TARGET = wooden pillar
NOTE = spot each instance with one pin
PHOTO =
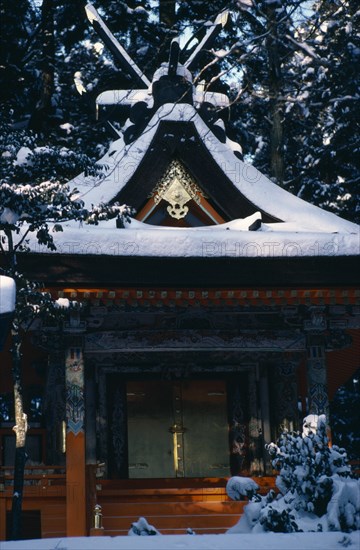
(54, 402)
(256, 440)
(238, 437)
(284, 397)
(318, 400)
(90, 430)
(264, 399)
(2, 517)
(75, 439)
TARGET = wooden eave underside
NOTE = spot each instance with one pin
(181, 140)
(219, 272)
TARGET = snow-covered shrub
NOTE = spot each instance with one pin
(279, 521)
(317, 491)
(142, 528)
(239, 487)
(306, 464)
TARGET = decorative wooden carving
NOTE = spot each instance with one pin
(75, 401)
(284, 396)
(193, 339)
(118, 432)
(238, 424)
(177, 188)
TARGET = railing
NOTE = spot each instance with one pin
(44, 492)
(39, 475)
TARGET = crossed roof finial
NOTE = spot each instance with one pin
(129, 65)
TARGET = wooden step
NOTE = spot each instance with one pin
(170, 508)
(172, 517)
(172, 505)
(172, 521)
(200, 531)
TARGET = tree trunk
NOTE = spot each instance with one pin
(276, 104)
(167, 12)
(39, 121)
(20, 430)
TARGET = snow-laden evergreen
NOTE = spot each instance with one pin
(316, 489)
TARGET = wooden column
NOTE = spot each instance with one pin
(54, 403)
(264, 398)
(2, 517)
(284, 392)
(75, 439)
(90, 444)
(238, 423)
(316, 375)
(256, 440)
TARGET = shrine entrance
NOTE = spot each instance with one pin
(174, 429)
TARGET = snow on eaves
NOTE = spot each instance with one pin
(227, 240)
(125, 97)
(7, 294)
(121, 162)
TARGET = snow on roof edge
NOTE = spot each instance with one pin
(7, 294)
(230, 240)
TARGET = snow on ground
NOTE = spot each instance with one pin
(7, 294)
(265, 541)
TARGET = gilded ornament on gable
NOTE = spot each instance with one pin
(177, 188)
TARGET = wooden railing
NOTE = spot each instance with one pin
(34, 475)
(44, 492)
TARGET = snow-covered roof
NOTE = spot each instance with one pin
(122, 160)
(285, 225)
(231, 239)
(7, 294)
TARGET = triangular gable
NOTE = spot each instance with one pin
(177, 201)
(181, 140)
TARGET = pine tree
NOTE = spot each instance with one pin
(19, 26)
(325, 107)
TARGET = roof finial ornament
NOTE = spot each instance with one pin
(123, 58)
(208, 39)
(174, 57)
(172, 82)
